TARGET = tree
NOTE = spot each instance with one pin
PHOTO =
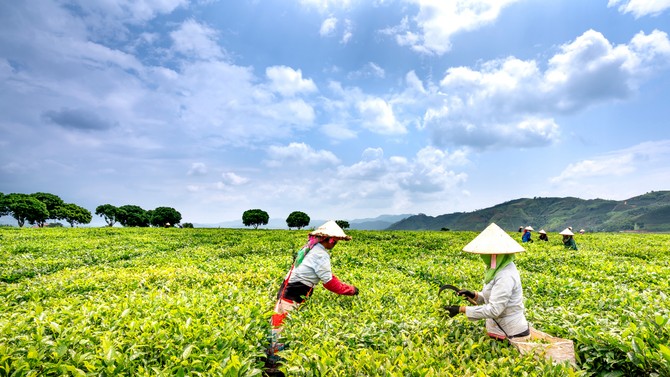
(74, 214)
(3, 205)
(132, 215)
(108, 212)
(297, 219)
(24, 208)
(342, 224)
(164, 215)
(255, 217)
(53, 202)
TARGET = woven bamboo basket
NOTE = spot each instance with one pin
(542, 344)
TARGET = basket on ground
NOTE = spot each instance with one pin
(554, 348)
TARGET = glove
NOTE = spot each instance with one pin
(453, 310)
(355, 291)
(466, 293)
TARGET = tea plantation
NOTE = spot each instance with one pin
(197, 302)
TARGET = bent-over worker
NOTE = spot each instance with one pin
(311, 266)
(568, 239)
(501, 300)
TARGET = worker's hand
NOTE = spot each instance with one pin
(453, 310)
(355, 291)
(466, 293)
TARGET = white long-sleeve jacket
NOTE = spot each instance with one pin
(502, 300)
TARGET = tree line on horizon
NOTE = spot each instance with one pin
(37, 208)
(296, 219)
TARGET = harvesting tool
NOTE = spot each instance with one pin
(456, 290)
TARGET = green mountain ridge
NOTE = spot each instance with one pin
(649, 212)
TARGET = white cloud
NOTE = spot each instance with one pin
(348, 32)
(328, 26)
(326, 5)
(510, 102)
(197, 168)
(646, 156)
(299, 154)
(640, 8)
(232, 179)
(338, 131)
(131, 10)
(377, 116)
(438, 21)
(369, 70)
(288, 81)
(196, 40)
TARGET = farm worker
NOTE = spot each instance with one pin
(501, 300)
(526, 234)
(543, 235)
(311, 265)
(568, 239)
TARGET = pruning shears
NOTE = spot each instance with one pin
(456, 290)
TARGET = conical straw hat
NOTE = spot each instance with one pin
(493, 240)
(330, 229)
(566, 232)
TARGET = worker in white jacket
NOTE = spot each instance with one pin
(501, 300)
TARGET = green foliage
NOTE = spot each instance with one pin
(187, 225)
(74, 214)
(255, 218)
(165, 215)
(342, 224)
(297, 219)
(152, 301)
(53, 203)
(108, 212)
(24, 208)
(132, 215)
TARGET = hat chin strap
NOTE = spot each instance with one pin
(493, 261)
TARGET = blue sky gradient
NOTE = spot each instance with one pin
(342, 109)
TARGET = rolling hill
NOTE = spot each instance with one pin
(648, 212)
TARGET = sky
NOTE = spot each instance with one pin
(342, 109)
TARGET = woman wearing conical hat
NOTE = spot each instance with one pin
(543, 235)
(568, 239)
(500, 302)
(311, 266)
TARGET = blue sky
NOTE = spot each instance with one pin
(342, 109)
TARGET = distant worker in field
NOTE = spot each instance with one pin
(311, 266)
(543, 235)
(501, 300)
(568, 239)
(526, 234)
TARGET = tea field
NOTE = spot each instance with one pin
(197, 302)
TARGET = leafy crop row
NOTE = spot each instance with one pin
(147, 302)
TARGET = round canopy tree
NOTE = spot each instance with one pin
(74, 214)
(24, 208)
(132, 215)
(297, 219)
(108, 212)
(162, 216)
(53, 203)
(255, 218)
(344, 224)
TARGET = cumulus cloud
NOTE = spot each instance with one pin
(288, 81)
(514, 103)
(377, 116)
(196, 40)
(326, 5)
(438, 21)
(640, 8)
(299, 154)
(130, 10)
(348, 32)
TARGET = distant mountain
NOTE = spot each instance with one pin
(648, 212)
(377, 223)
